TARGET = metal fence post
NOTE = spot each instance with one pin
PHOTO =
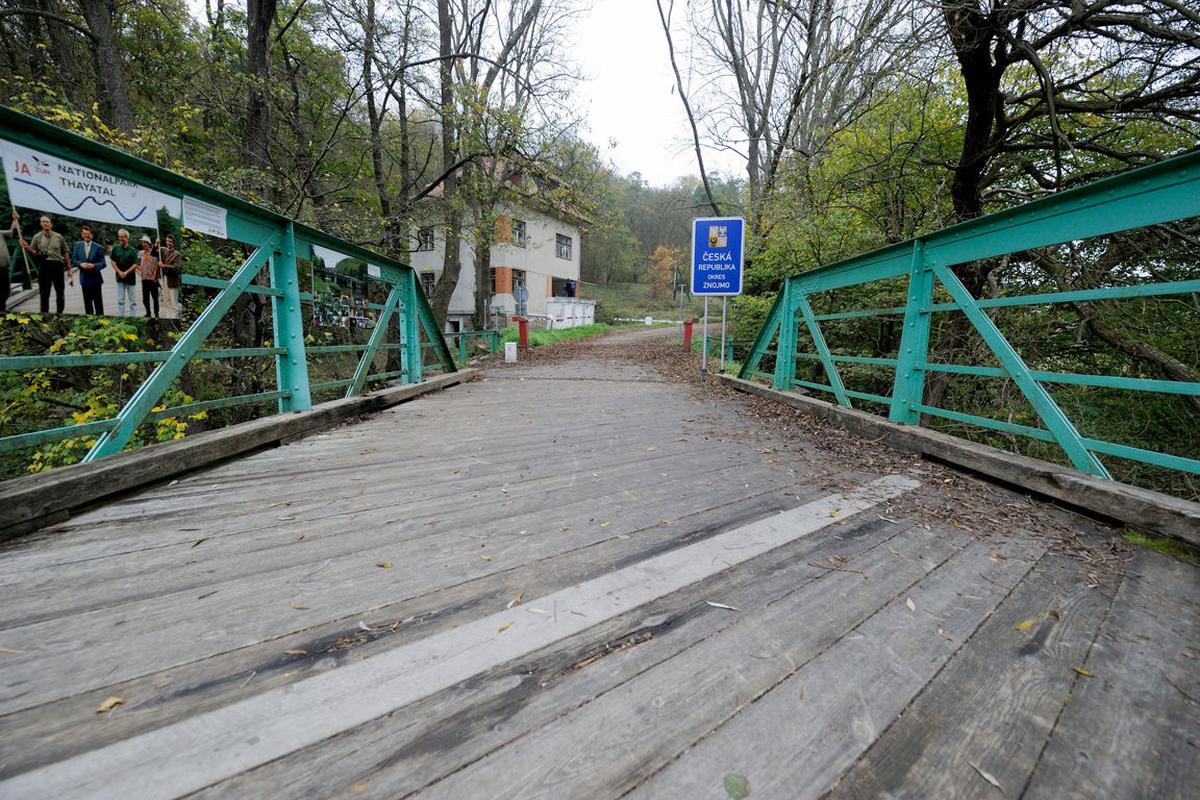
(908, 387)
(411, 336)
(785, 353)
(291, 368)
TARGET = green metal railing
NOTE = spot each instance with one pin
(1161, 193)
(490, 337)
(278, 242)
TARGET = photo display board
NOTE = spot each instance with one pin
(77, 240)
(340, 290)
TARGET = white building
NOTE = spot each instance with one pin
(534, 251)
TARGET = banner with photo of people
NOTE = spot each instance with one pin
(76, 240)
(340, 290)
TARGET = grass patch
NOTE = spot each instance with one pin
(1162, 544)
(539, 337)
(636, 300)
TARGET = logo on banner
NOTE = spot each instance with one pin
(47, 183)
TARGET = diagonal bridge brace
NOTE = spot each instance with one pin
(1060, 427)
(377, 335)
(831, 370)
(149, 393)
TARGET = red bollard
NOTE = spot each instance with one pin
(522, 332)
(687, 334)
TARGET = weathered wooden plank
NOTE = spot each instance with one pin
(796, 740)
(100, 646)
(380, 520)
(400, 754)
(611, 745)
(27, 503)
(213, 746)
(1132, 726)
(56, 730)
(994, 705)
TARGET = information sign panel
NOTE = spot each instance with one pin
(718, 252)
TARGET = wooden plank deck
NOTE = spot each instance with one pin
(580, 579)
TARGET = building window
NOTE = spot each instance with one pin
(424, 239)
(518, 232)
(562, 246)
(492, 280)
(428, 279)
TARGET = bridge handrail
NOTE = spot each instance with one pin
(1163, 192)
(278, 242)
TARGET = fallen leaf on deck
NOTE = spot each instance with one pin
(298, 607)
(667, 521)
(301, 536)
(651, 449)
(249, 678)
(537, 611)
(1082, 672)
(11, 651)
(1024, 626)
(110, 704)
(189, 529)
(563, 530)
(384, 564)
(603, 524)
(368, 450)
(911, 605)
(515, 601)
(364, 626)
(207, 594)
(485, 558)
(736, 786)
(722, 605)
(505, 627)
(198, 542)
(172, 483)
(987, 776)
(296, 652)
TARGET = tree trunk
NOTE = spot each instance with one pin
(451, 264)
(116, 108)
(257, 136)
(375, 121)
(63, 53)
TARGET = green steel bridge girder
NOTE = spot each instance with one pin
(278, 242)
(1157, 194)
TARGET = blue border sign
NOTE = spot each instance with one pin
(718, 252)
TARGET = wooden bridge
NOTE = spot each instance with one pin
(583, 578)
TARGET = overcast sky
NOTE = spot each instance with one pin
(621, 48)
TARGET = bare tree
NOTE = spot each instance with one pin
(779, 77)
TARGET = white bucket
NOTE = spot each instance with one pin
(510, 352)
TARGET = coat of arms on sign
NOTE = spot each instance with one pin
(718, 236)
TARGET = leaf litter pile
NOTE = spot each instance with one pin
(825, 457)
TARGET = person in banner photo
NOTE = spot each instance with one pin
(13, 232)
(88, 257)
(169, 260)
(148, 269)
(125, 263)
(49, 251)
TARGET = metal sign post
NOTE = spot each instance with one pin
(721, 368)
(704, 337)
(718, 255)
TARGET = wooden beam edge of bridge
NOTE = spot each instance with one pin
(35, 501)
(1146, 509)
